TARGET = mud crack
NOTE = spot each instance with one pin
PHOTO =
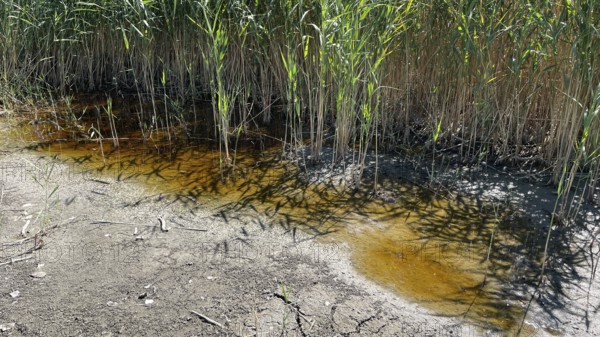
(299, 314)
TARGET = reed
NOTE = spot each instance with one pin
(290, 60)
(509, 81)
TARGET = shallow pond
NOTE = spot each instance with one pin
(454, 256)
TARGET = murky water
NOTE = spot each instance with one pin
(451, 255)
(437, 254)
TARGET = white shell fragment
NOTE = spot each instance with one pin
(38, 274)
(7, 326)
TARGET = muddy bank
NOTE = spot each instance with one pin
(241, 266)
(524, 201)
(248, 274)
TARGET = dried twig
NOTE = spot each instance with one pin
(163, 225)
(16, 243)
(103, 222)
(207, 319)
(16, 260)
(191, 229)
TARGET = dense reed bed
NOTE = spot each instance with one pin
(500, 81)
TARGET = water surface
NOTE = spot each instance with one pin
(454, 256)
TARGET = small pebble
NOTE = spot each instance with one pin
(7, 326)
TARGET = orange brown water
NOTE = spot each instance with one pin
(447, 255)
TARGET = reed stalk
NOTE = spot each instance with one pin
(510, 81)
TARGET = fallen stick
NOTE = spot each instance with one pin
(39, 243)
(16, 243)
(103, 222)
(162, 225)
(16, 260)
(208, 320)
(29, 238)
(191, 229)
